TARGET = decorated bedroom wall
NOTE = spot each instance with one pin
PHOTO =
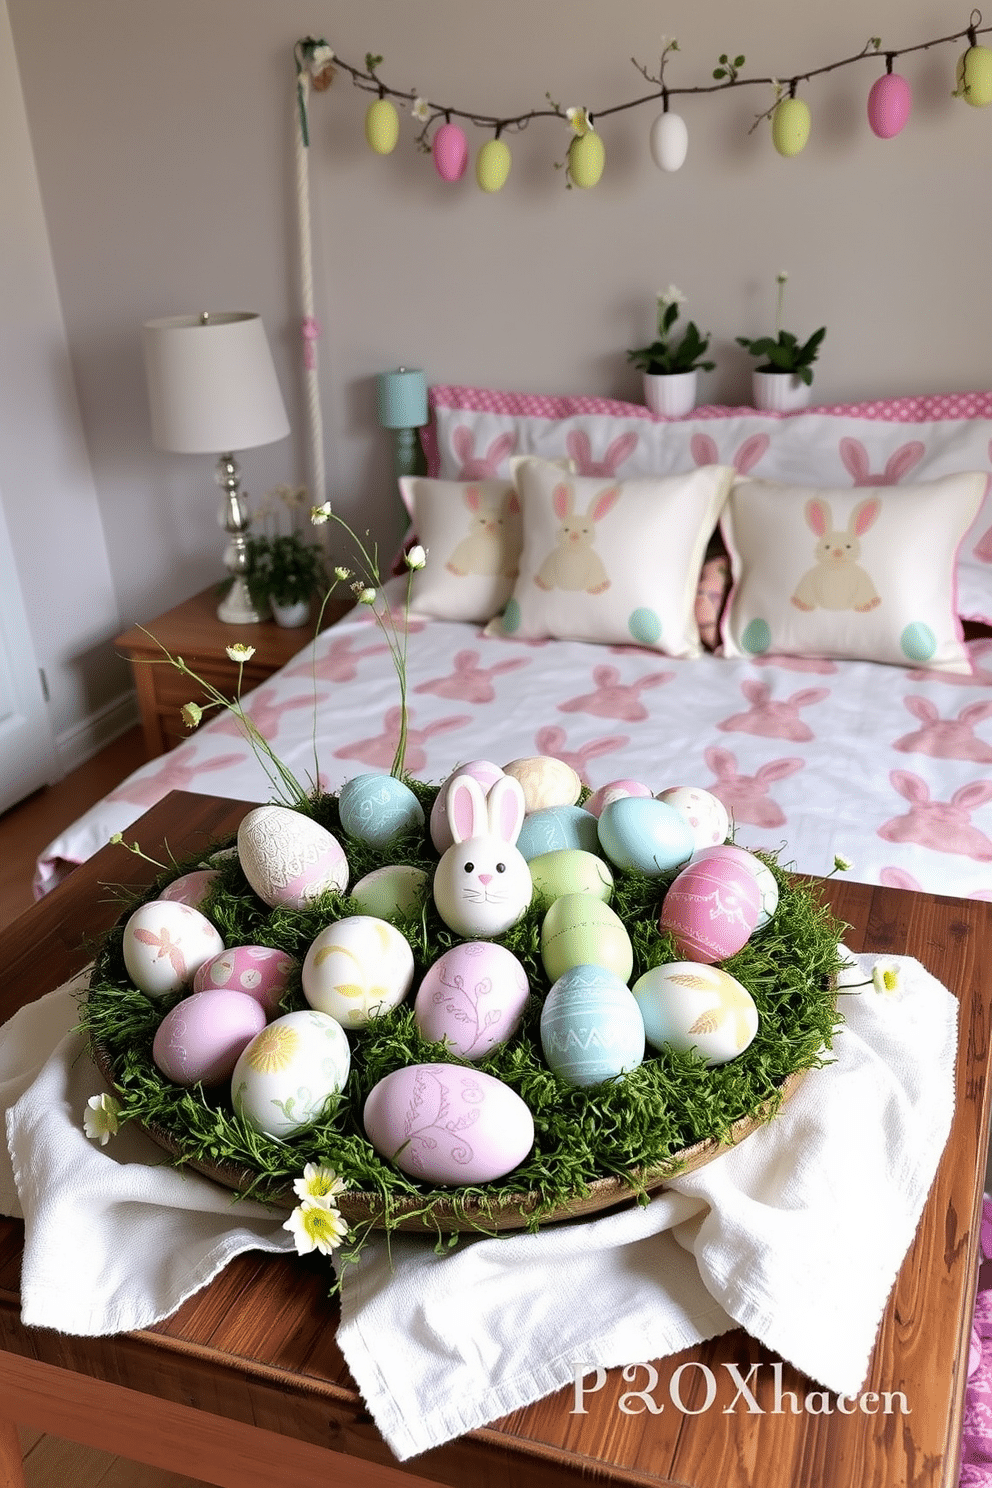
(163, 135)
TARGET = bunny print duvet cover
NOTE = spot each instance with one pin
(887, 767)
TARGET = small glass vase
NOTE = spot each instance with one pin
(671, 394)
(779, 392)
(291, 616)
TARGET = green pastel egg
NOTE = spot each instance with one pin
(396, 891)
(975, 76)
(510, 619)
(570, 870)
(645, 626)
(918, 642)
(492, 165)
(586, 158)
(756, 637)
(580, 930)
(790, 126)
(382, 126)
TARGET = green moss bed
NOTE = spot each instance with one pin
(621, 1128)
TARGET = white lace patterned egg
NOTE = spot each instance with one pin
(288, 858)
(357, 969)
(165, 943)
(285, 1077)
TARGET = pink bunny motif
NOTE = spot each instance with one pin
(573, 564)
(378, 751)
(613, 698)
(553, 740)
(747, 797)
(703, 449)
(172, 774)
(946, 738)
(580, 449)
(470, 682)
(944, 826)
(482, 467)
(265, 713)
(774, 719)
(339, 662)
(854, 458)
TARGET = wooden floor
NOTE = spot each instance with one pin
(25, 829)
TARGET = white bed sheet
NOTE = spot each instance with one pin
(889, 768)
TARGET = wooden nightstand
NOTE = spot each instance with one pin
(193, 631)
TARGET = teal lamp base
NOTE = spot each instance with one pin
(402, 400)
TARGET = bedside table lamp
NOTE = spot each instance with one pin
(212, 387)
(403, 408)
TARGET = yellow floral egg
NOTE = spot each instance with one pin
(790, 126)
(586, 158)
(975, 76)
(492, 165)
(382, 126)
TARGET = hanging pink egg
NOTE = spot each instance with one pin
(889, 103)
(450, 152)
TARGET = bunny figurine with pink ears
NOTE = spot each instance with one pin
(482, 885)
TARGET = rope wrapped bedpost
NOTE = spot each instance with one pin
(310, 327)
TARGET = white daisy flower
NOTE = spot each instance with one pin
(421, 110)
(314, 1227)
(240, 652)
(319, 1185)
(100, 1118)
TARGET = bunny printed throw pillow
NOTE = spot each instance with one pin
(472, 533)
(611, 561)
(864, 573)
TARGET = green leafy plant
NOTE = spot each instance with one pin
(785, 352)
(666, 355)
(729, 67)
(285, 569)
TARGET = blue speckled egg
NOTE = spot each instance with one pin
(645, 835)
(376, 809)
(918, 642)
(556, 828)
(591, 1027)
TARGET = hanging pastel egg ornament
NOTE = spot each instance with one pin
(974, 74)
(492, 165)
(790, 126)
(889, 104)
(450, 150)
(669, 141)
(586, 159)
(382, 126)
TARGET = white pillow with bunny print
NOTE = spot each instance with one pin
(471, 531)
(616, 562)
(866, 573)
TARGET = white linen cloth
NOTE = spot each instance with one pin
(796, 1235)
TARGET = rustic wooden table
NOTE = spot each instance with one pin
(245, 1386)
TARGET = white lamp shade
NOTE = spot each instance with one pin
(212, 387)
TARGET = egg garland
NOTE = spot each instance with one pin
(502, 1003)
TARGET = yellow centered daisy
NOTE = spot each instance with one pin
(274, 1049)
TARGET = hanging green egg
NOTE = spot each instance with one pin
(586, 158)
(492, 165)
(382, 126)
(790, 126)
(975, 76)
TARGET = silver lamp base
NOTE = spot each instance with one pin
(236, 608)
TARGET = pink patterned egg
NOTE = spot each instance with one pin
(450, 152)
(288, 858)
(202, 1038)
(164, 945)
(706, 814)
(711, 909)
(615, 790)
(260, 971)
(191, 888)
(889, 104)
(759, 870)
(485, 772)
(447, 1123)
(473, 997)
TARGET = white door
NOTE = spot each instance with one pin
(27, 748)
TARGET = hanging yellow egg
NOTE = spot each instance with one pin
(975, 76)
(586, 158)
(790, 126)
(382, 126)
(492, 165)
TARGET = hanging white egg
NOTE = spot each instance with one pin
(669, 141)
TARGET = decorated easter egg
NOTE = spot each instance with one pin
(556, 828)
(889, 103)
(259, 971)
(790, 126)
(579, 929)
(647, 836)
(705, 813)
(546, 781)
(376, 809)
(688, 1006)
(164, 944)
(762, 874)
(591, 1027)
(357, 969)
(450, 150)
(472, 997)
(201, 1039)
(288, 858)
(669, 141)
(285, 1077)
(485, 772)
(394, 892)
(974, 74)
(446, 1123)
(586, 159)
(492, 165)
(615, 790)
(569, 871)
(191, 888)
(382, 126)
(711, 909)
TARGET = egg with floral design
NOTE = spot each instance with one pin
(711, 909)
(472, 997)
(687, 1006)
(191, 888)
(376, 809)
(260, 971)
(200, 1040)
(165, 942)
(289, 1072)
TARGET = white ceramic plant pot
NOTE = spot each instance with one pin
(671, 394)
(292, 615)
(779, 392)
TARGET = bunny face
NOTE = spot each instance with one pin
(482, 885)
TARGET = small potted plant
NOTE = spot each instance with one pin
(285, 573)
(783, 378)
(670, 366)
